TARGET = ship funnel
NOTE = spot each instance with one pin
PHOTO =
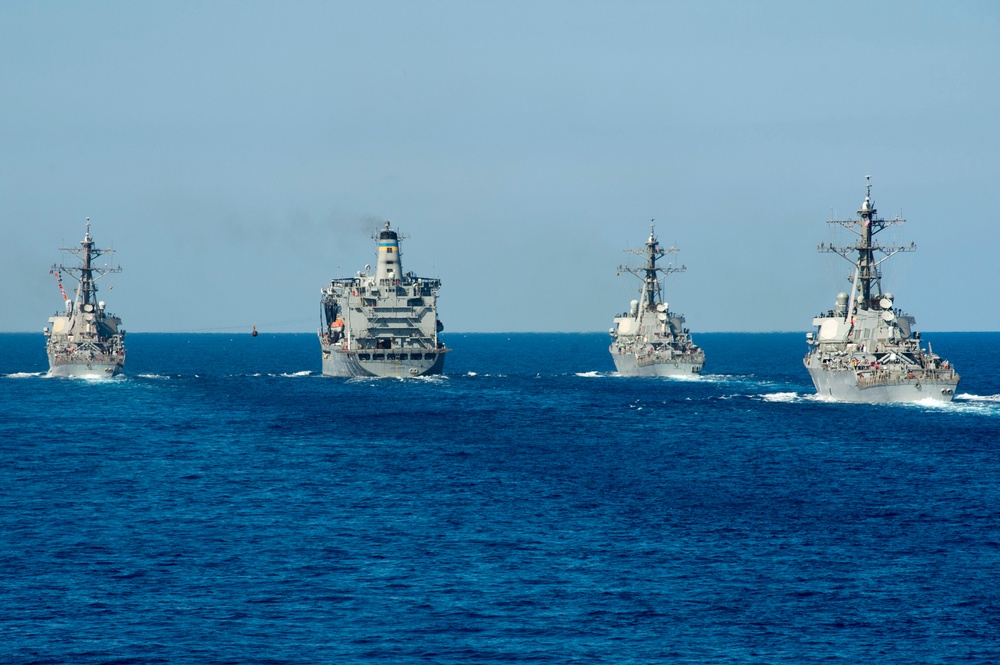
(389, 265)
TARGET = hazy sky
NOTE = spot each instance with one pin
(239, 154)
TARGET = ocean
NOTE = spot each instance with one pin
(225, 503)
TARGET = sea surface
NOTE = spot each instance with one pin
(224, 503)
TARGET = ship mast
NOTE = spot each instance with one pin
(867, 281)
(652, 290)
(86, 274)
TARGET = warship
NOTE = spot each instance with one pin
(85, 339)
(383, 324)
(866, 349)
(649, 339)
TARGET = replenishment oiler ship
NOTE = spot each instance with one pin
(383, 324)
(84, 340)
(649, 339)
(866, 349)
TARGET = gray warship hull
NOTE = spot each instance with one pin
(344, 363)
(84, 369)
(381, 324)
(629, 364)
(849, 386)
(84, 341)
(650, 339)
(866, 349)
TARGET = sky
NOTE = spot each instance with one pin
(238, 155)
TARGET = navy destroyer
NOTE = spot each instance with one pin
(865, 349)
(383, 324)
(649, 339)
(84, 340)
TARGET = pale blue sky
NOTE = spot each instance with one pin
(238, 155)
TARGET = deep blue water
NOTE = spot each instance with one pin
(224, 503)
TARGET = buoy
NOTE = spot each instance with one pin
(254, 333)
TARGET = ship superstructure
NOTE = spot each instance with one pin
(381, 324)
(866, 349)
(85, 340)
(649, 339)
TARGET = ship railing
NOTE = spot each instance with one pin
(646, 360)
(896, 377)
(416, 345)
(346, 281)
(392, 324)
(77, 356)
(380, 320)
